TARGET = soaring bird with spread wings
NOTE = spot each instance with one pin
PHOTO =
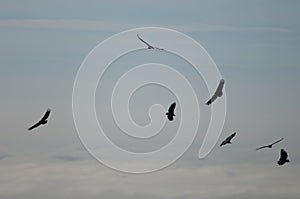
(269, 145)
(228, 139)
(283, 157)
(170, 114)
(218, 92)
(148, 45)
(42, 121)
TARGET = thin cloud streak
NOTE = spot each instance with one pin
(65, 24)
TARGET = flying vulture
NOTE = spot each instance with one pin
(283, 157)
(42, 121)
(148, 45)
(270, 145)
(218, 92)
(228, 139)
(170, 114)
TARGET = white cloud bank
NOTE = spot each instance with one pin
(87, 179)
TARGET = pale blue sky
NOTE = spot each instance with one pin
(255, 44)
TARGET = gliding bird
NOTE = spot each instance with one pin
(148, 45)
(218, 92)
(270, 145)
(228, 139)
(42, 121)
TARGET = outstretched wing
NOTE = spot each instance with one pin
(144, 41)
(228, 139)
(223, 143)
(172, 108)
(212, 99)
(283, 154)
(34, 126)
(46, 115)
(220, 86)
(277, 141)
(231, 136)
(158, 48)
(262, 147)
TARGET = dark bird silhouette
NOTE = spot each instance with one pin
(228, 139)
(42, 121)
(170, 114)
(148, 45)
(218, 92)
(283, 157)
(269, 145)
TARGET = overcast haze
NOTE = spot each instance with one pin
(255, 45)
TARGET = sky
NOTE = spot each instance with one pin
(255, 45)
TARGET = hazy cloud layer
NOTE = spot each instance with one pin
(53, 178)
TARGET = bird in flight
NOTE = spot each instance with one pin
(228, 139)
(42, 121)
(170, 114)
(218, 92)
(269, 145)
(148, 45)
(283, 157)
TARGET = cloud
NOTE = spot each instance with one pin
(30, 178)
(65, 24)
(2, 156)
(68, 158)
(89, 25)
(224, 28)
